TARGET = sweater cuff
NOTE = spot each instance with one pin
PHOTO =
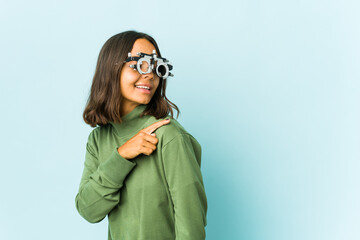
(116, 168)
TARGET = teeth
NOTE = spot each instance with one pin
(143, 87)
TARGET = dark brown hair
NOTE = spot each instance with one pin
(103, 104)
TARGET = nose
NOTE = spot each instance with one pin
(149, 75)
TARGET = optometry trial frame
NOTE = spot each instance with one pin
(150, 62)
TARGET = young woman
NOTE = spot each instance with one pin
(140, 170)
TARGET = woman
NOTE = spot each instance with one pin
(140, 170)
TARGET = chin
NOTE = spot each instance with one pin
(144, 101)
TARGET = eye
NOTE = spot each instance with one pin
(144, 66)
(162, 70)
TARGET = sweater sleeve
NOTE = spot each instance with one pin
(182, 162)
(99, 190)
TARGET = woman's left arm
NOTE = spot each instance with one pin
(182, 162)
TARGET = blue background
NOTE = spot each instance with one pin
(269, 88)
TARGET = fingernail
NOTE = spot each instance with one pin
(167, 119)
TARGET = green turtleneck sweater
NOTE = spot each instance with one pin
(155, 197)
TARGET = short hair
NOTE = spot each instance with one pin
(104, 101)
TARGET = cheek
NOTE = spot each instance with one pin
(128, 78)
(157, 83)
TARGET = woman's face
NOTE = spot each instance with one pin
(130, 78)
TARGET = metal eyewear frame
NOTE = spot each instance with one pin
(162, 66)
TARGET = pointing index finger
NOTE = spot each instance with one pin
(155, 126)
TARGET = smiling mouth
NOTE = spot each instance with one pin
(143, 87)
(143, 90)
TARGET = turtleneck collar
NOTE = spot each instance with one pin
(131, 122)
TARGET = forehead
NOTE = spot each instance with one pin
(142, 45)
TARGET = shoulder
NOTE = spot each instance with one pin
(172, 132)
(96, 134)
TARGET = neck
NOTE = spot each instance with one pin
(131, 122)
(127, 108)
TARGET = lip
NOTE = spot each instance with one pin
(143, 90)
(143, 84)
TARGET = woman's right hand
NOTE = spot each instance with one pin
(143, 142)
